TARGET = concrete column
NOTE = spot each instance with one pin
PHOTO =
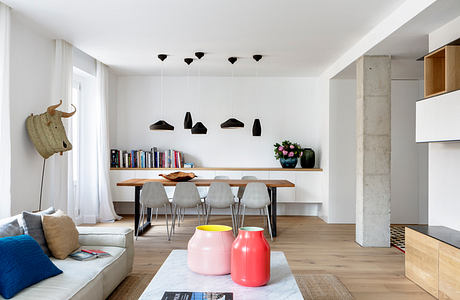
(373, 134)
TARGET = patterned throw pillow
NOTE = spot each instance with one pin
(61, 234)
(22, 264)
(33, 227)
(11, 228)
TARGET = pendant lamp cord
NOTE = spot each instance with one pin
(233, 90)
(161, 91)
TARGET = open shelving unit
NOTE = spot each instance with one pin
(437, 114)
(442, 71)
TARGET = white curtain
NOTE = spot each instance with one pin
(57, 179)
(106, 209)
(5, 143)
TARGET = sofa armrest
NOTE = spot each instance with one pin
(111, 237)
(106, 236)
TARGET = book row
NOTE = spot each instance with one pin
(146, 159)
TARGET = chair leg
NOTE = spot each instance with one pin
(198, 215)
(242, 217)
(172, 219)
(156, 216)
(208, 214)
(238, 211)
(233, 220)
(269, 225)
(167, 226)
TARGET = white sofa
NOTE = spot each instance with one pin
(93, 279)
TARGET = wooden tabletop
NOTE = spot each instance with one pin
(207, 182)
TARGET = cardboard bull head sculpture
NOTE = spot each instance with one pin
(47, 131)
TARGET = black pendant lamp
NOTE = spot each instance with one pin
(256, 128)
(161, 124)
(232, 123)
(188, 123)
(199, 127)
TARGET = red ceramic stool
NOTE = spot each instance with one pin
(251, 257)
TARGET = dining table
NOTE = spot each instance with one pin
(138, 183)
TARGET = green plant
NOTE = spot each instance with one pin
(287, 150)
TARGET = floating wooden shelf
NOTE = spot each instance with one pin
(442, 71)
(221, 169)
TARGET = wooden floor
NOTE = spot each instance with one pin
(311, 247)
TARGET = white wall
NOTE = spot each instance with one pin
(408, 166)
(30, 83)
(287, 108)
(342, 201)
(444, 158)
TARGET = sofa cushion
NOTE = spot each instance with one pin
(61, 234)
(80, 279)
(10, 228)
(33, 227)
(22, 263)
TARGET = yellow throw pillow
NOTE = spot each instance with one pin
(61, 234)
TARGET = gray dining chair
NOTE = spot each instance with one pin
(154, 196)
(186, 196)
(220, 196)
(240, 195)
(256, 197)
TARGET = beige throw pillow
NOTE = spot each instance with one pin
(61, 234)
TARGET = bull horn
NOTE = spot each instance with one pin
(68, 115)
(52, 109)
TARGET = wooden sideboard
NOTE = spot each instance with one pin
(433, 260)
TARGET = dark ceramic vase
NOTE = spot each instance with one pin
(290, 162)
(307, 160)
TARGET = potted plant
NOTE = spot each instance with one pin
(288, 153)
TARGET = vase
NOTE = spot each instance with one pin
(251, 257)
(307, 160)
(289, 162)
(209, 250)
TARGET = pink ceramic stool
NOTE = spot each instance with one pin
(209, 250)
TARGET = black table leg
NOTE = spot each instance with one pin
(273, 210)
(137, 212)
(137, 195)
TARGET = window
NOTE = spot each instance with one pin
(83, 137)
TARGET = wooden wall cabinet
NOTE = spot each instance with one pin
(442, 71)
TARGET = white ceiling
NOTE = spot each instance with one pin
(410, 41)
(297, 37)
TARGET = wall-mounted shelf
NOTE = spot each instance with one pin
(442, 71)
(220, 169)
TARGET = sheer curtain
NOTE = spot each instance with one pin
(106, 209)
(5, 143)
(57, 179)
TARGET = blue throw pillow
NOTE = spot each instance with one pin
(22, 264)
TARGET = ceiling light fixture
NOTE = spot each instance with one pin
(232, 123)
(199, 127)
(188, 123)
(161, 125)
(256, 128)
